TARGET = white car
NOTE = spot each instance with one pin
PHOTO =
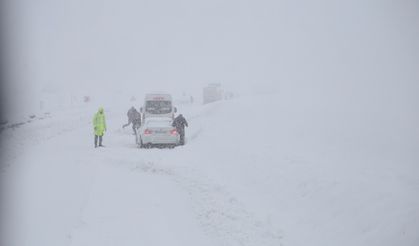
(157, 131)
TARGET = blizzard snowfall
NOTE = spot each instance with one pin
(255, 171)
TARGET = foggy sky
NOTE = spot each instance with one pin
(325, 48)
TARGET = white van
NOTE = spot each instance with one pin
(158, 105)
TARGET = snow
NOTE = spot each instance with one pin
(319, 146)
(263, 169)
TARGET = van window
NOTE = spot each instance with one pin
(158, 107)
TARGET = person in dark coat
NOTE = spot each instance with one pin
(180, 122)
(134, 118)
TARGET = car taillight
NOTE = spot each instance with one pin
(173, 132)
(147, 132)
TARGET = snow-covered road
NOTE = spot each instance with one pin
(246, 177)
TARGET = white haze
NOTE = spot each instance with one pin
(320, 147)
(352, 54)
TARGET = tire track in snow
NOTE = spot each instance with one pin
(220, 214)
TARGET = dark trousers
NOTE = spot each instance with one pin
(100, 140)
(181, 132)
(182, 139)
(135, 126)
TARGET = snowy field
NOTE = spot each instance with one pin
(256, 171)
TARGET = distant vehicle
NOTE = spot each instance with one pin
(158, 105)
(212, 93)
(157, 132)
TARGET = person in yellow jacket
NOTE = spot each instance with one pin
(99, 124)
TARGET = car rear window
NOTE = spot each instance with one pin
(159, 123)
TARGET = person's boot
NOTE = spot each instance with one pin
(95, 141)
